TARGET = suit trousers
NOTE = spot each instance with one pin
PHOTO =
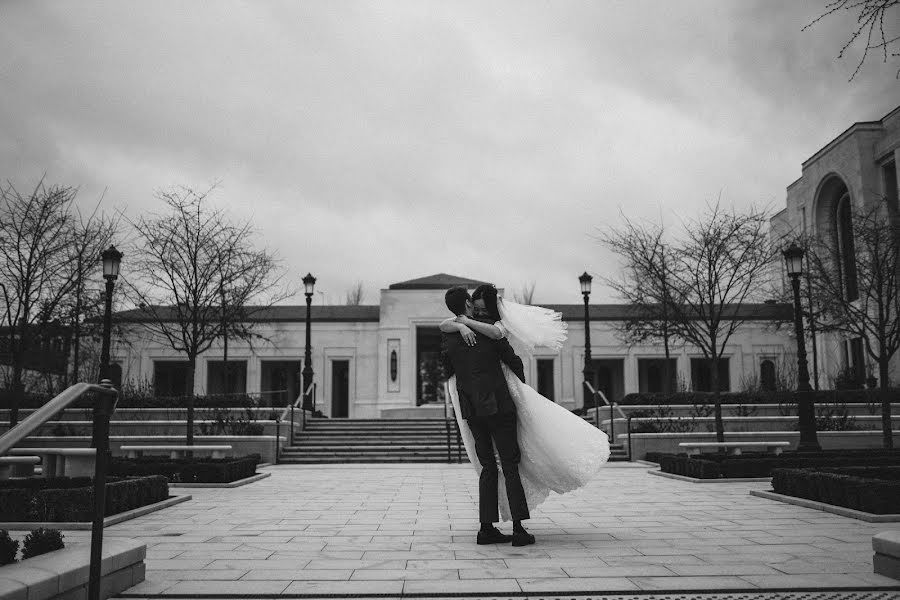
(498, 430)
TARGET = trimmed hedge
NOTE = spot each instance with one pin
(819, 397)
(868, 489)
(70, 499)
(33, 400)
(757, 464)
(187, 470)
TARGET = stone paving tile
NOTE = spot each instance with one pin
(298, 574)
(468, 586)
(390, 528)
(250, 564)
(723, 569)
(513, 573)
(585, 584)
(319, 563)
(202, 575)
(717, 583)
(619, 571)
(404, 574)
(176, 565)
(819, 580)
(187, 588)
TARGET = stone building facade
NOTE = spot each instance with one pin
(382, 360)
(850, 175)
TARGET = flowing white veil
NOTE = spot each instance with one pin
(533, 325)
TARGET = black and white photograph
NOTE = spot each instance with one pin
(450, 299)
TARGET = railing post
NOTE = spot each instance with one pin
(277, 438)
(628, 424)
(104, 407)
(612, 424)
(596, 411)
(292, 423)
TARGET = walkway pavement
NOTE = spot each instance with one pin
(410, 529)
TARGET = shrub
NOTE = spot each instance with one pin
(40, 541)
(759, 464)
(868, 489)
(865, 397)
(70, 499)
(187, 470)
(8, 548)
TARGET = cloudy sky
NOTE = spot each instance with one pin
(384, 141)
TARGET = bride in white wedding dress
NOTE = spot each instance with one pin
(560, 451)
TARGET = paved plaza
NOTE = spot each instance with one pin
(410, 530)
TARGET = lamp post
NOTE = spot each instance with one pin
(793, 258)
(103, 409)
(588, 371)
(309, 284)
(225, 388)
(112, 258)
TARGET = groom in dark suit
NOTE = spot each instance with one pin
(485, 403)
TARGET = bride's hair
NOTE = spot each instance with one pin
(488, 293)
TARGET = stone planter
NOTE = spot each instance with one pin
(64, 574)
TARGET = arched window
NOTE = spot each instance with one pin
(846, 254)
(767, 375)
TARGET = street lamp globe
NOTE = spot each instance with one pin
(309, 284)
(585, 281)
(112, 258)
(793, 258)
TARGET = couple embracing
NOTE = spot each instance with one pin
(540, 446)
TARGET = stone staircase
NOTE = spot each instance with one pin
(380, 441)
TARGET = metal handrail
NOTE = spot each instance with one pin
(612, 406)
(49, 410)
(103, 409)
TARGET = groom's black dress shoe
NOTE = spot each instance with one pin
(493, 536)
(522, 538)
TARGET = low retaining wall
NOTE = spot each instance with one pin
(743, 424)
(241, 445)
(642, 443)
(64, 574)
(886, 560)
(72, 428)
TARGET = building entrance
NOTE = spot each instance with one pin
(429, 369)
(340, 388)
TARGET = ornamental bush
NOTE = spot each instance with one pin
(187, 470)
(70, 499)
(9, 548)
(40, 541)
(868, 489)
(821, 397)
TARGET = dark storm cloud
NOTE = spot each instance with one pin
(384, 141)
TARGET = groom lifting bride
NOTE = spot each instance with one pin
(488, 408)
(541, 446)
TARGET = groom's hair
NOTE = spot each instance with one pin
(455, 299)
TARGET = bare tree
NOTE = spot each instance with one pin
(185, 259)
(723, 263)
(89, 238)
(693, 289)
(875, 315)
(645, 285)
(40, 241)
(870, 25)
(525, 294)
(356, 294)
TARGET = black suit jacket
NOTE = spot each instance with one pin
(479, 377)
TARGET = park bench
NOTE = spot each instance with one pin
(176, 451)
(61, 462)
(17, 466)
(735, 447)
